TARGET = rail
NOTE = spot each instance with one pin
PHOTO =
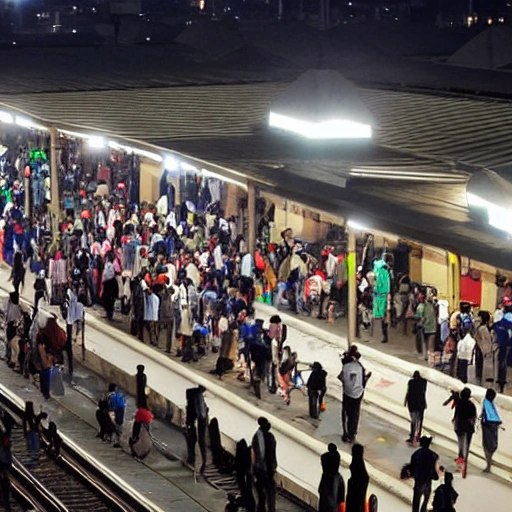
(74, 464)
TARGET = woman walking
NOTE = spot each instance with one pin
(491, 422)
(358, 481)
(464, 420)
(483, 344)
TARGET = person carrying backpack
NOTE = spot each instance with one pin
(116, 409)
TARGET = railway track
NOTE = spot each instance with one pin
(72, 482)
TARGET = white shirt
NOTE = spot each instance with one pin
(465, 347)
(151, 305)
(171, 273)
(217, 255)
(246, 266)
(75, 309)
(352, 375)
(443, 310)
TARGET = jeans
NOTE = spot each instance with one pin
(464, 441)
(416, 424)
(45, 382)
(350, 410)
(316, 399)
(421, 490)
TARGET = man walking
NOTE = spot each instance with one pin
(264, 465)
(415, 400)
(353, 377)
(423, 469)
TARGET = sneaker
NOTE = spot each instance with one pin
(344, 438)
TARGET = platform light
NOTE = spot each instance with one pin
(119, 147)
(147, 154)
(389, 174)
(356, 226)
(498, 217)
(333, 129)
(27, 123)
(96, 142)
(5, 117)
(171, 163)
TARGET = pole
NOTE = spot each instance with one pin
(251, 217)
(352, 286)
(83, 337)
(54, 180)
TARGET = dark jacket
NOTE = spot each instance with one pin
(423, 466)
(444, 498)
(268, 462)
(464, 417)
(316, 381)
(141, 390)
(415, 398)
(331, 492)
(357, 487)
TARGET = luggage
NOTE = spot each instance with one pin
(56, 383)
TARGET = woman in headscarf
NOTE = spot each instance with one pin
(358, 481)
(491, 422)
(332, 487)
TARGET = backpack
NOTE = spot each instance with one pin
(466, 321)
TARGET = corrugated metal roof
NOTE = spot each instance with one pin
(475, 131)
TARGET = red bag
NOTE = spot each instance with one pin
(259, 261)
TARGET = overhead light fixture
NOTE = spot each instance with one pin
(332, 129)
(171, 163)
(498, 217)
(5, 117)
(119, 147)
(27, 123)
(385, 174)
(147, 154)
(96, 142)
(356, 226)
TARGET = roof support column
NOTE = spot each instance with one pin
(251, 217)
(54, 179)
(352, 285)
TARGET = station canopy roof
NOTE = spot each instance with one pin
(410, 180)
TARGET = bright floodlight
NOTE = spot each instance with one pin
(499, 217)
(27, 123)
(356, 226)
(334, 129)
(6, 117)
(171, 163)
(96, 142)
